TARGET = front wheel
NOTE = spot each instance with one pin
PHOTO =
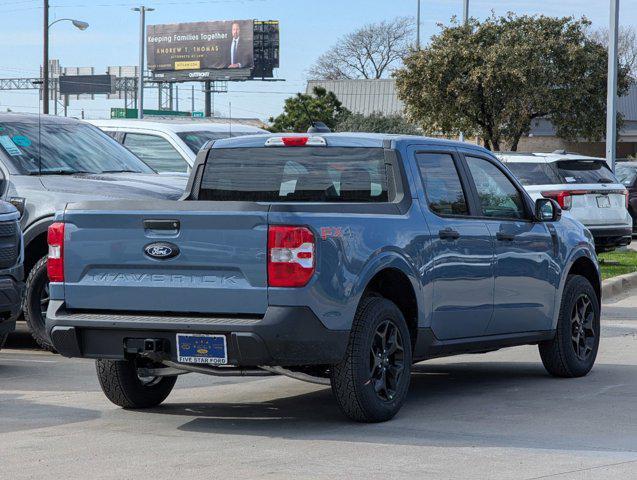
(122, 384)
(371, 383)
(573, 351)
(36, 302)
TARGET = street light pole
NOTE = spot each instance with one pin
(465, 20)
(418, 25)
(45, 61)
(611, 98)
(142, 43)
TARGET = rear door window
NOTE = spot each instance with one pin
(585, 171)
(295, 174)
(444, 192)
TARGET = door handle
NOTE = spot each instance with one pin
(449, 234)
(505, 237)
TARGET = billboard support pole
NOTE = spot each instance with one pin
(177, 97)
(142, 37)
(208, 97)
(192, 100)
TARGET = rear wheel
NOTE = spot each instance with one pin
(36, 302)
(122, 384)
(3, 339)
(371, 383)
(573, 351)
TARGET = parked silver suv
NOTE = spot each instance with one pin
(585, 188)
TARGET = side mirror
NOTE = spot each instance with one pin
(19, 203)
(547, 210)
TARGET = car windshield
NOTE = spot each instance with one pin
(65, 148)
(196, 140)
(306, 174)
(534, 173)
(585, 171)
(626, 174)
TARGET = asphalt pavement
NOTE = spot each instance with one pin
(491, 416)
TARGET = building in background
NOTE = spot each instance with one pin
(369, 96)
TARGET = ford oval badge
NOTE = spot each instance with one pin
(161, 250)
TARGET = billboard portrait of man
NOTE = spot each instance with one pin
(240, 48)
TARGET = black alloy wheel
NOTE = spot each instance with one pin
(583, 328)
(386, 360)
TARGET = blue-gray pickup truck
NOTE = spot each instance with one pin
(340, 259)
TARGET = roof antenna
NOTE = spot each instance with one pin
(315, 127)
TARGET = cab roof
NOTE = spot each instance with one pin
(348, 139)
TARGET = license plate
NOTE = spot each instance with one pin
(603, 202)
(195, 348)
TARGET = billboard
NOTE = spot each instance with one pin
(201, 46)
(86, 84)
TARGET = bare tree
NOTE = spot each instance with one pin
(627, 47)
(372, 51)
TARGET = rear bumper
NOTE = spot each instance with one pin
(285, 336)
(606, 237)
(11, 291)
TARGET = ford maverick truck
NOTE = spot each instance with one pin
(340, 259)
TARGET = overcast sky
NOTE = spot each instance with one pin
(308, 28)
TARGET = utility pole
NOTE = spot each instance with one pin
(192, 99)
(177, 97)
(142, 46)
(418, 25)
(611, 99)
(45, 61)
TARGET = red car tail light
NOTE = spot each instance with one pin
(55, 261)
(564, 197)
(291, 252)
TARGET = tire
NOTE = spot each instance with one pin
(35, 303)
(356, 380)
(122, 386)
(573, 351)
(3, 339)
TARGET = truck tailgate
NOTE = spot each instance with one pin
(116, 256)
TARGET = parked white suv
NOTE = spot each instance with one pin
(585, 188)
(169, 146)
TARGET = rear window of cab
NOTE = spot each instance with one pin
(299, 174)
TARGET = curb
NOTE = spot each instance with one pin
(612, 287)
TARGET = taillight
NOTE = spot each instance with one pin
(296, 141)
(627, 199)
(564, 198)
(291, 253)
(55, 261)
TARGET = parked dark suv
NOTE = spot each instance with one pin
(11, 273)
(46, 162)
(626, 173)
